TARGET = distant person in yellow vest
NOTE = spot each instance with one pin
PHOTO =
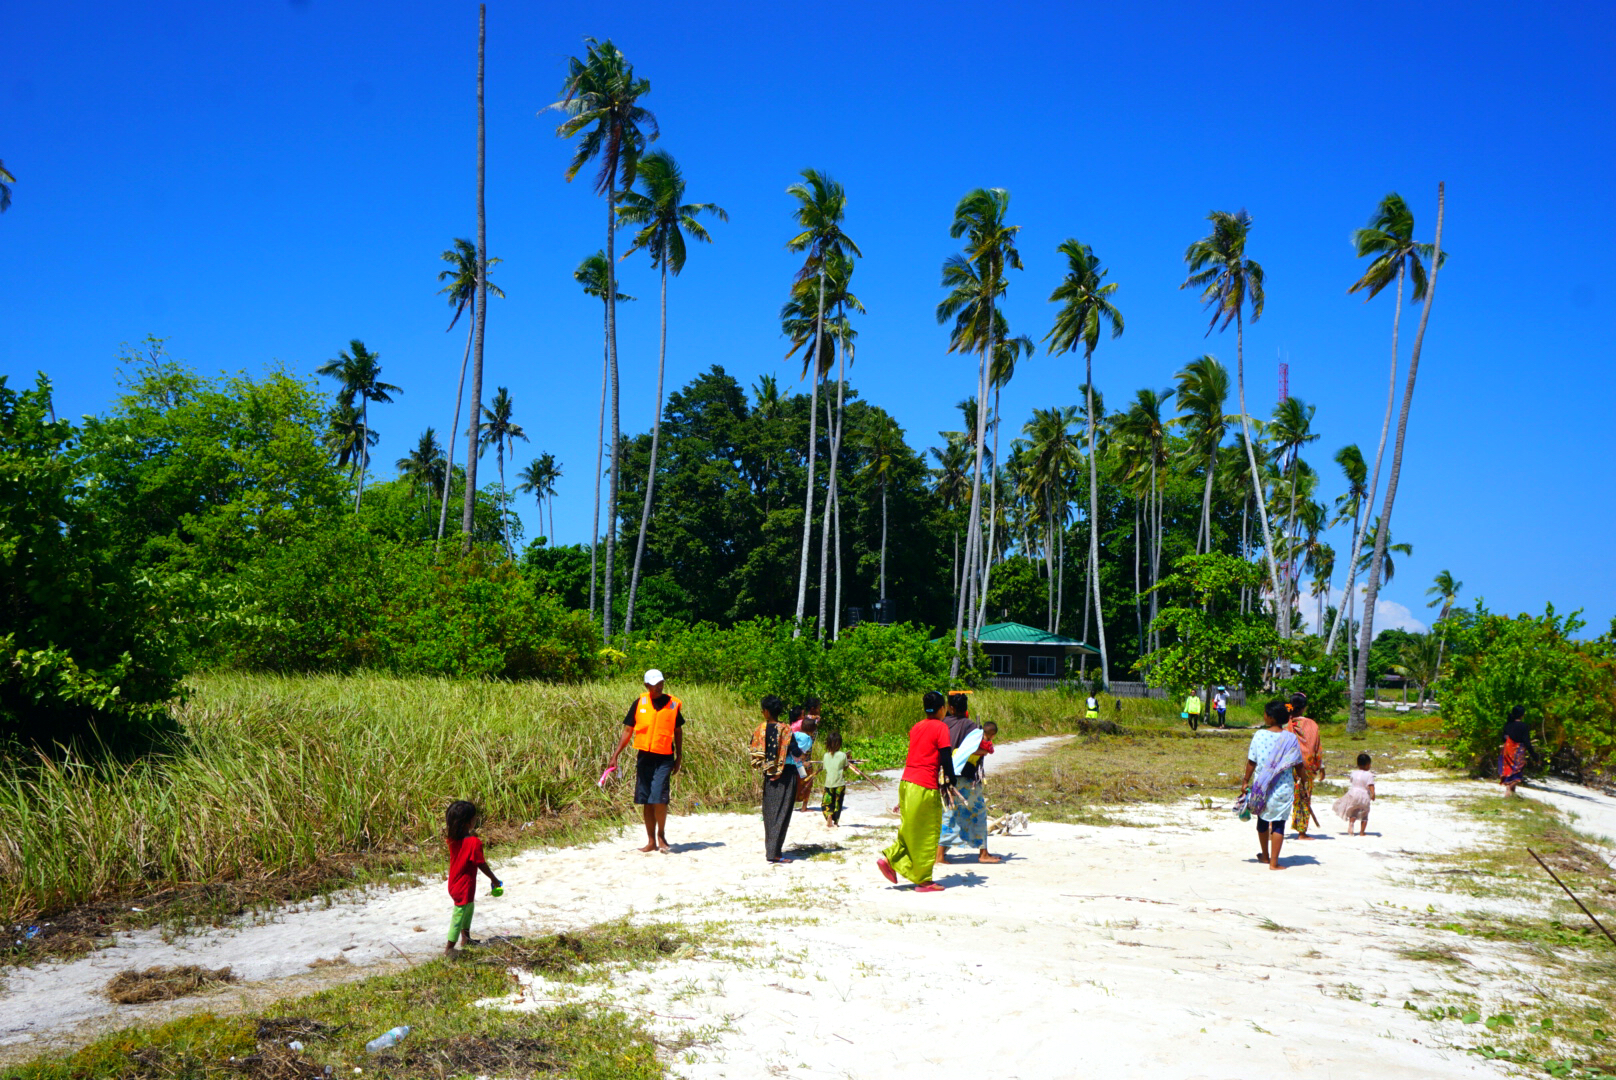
(655, 725)
(1192, 709)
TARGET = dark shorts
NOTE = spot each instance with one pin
(1266, 827)
(653, 776)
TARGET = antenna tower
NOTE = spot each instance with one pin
(1284, 381)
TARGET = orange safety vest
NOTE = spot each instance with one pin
(653, 727)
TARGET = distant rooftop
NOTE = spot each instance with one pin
(1014, 633)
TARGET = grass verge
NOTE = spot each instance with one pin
(449, 1035)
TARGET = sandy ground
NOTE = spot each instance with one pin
(1159, 950)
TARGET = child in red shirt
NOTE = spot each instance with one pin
(465, 859)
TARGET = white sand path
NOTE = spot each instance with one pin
(1137, 951)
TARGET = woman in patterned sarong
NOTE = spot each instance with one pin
(1270, 780)
(1517, 744)
(1310, 770)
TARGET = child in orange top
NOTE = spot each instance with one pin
(465, 859)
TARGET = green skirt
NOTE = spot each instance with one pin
(920, 826)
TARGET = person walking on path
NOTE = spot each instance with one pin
(1311, 769)
(920, 800)
(1269, 781)
(771, 754)
(465, 859)
(1220, 705)
(965, 821)
(655, 725)
(1517, 745)
(1192, 709)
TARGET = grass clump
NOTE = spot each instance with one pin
(450, 1035)
(133, 987)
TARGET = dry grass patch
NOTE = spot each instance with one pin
(164, 983)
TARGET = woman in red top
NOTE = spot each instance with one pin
(465, 859)
(920, 801)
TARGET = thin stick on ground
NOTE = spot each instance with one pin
(1571, 894)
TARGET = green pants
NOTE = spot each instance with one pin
(920, 825)
(460, 921)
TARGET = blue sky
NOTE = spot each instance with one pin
(262, 182)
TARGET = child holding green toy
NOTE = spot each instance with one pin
(465, 859)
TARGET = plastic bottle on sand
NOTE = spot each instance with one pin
(391, 1038)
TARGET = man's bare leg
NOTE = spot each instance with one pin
(661, 838)
(650, 827)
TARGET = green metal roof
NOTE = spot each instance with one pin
(1014, 633)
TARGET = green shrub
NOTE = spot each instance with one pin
(86, 647)
(1325, 696)
(1567, 687)
(342, 600)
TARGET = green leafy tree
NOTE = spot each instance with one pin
(1206, 639)
(663, 220)
(600, 99)
(1567, 687)
(1085, 299)
(88, 649)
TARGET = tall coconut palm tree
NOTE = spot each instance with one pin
(480, 315)
(538, 478)
(1388, 569)
(424, 466)
(1388, 242)
(1203, 387)
(347, 438)
(1357, 719)
(461, 288)
(821, 208)
(1144, 426)
(1007, 351)
(975, 279)
(1052, 459)
(1230, 285)
(1350, 508)
(6, 180)
(663, 219)
(600, 100)
(593, 274)
(1419, 661)
(1291, 429)
(358, 372)
(1085, 299)
(501, 432)
(881, 439)
(1446, 590)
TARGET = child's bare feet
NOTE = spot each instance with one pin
(649, 847)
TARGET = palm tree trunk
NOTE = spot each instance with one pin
(1245, 544)
(1380, 450)
(364, 449)
(600, 463)
(836, 508)
(813, 447)
(1206, 504)
(1138, 605)
(1357, 720)
(617, 427)
(1251, 463)
(1049, 566)
(1060, 575)
(504, 498)
(1155, 557)
(834, 426)
(993, 520)
(481, 313)
(650, 475)
(460, 392)
(883, 543)
(973, 534)
(1094, 518)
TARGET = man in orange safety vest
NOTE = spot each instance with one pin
(655, 725)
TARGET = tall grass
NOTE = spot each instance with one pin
(282, 775)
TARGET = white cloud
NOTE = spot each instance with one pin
(1389, 614)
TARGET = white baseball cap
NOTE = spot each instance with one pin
(653, 677)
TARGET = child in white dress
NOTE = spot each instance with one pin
(1354, 805)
